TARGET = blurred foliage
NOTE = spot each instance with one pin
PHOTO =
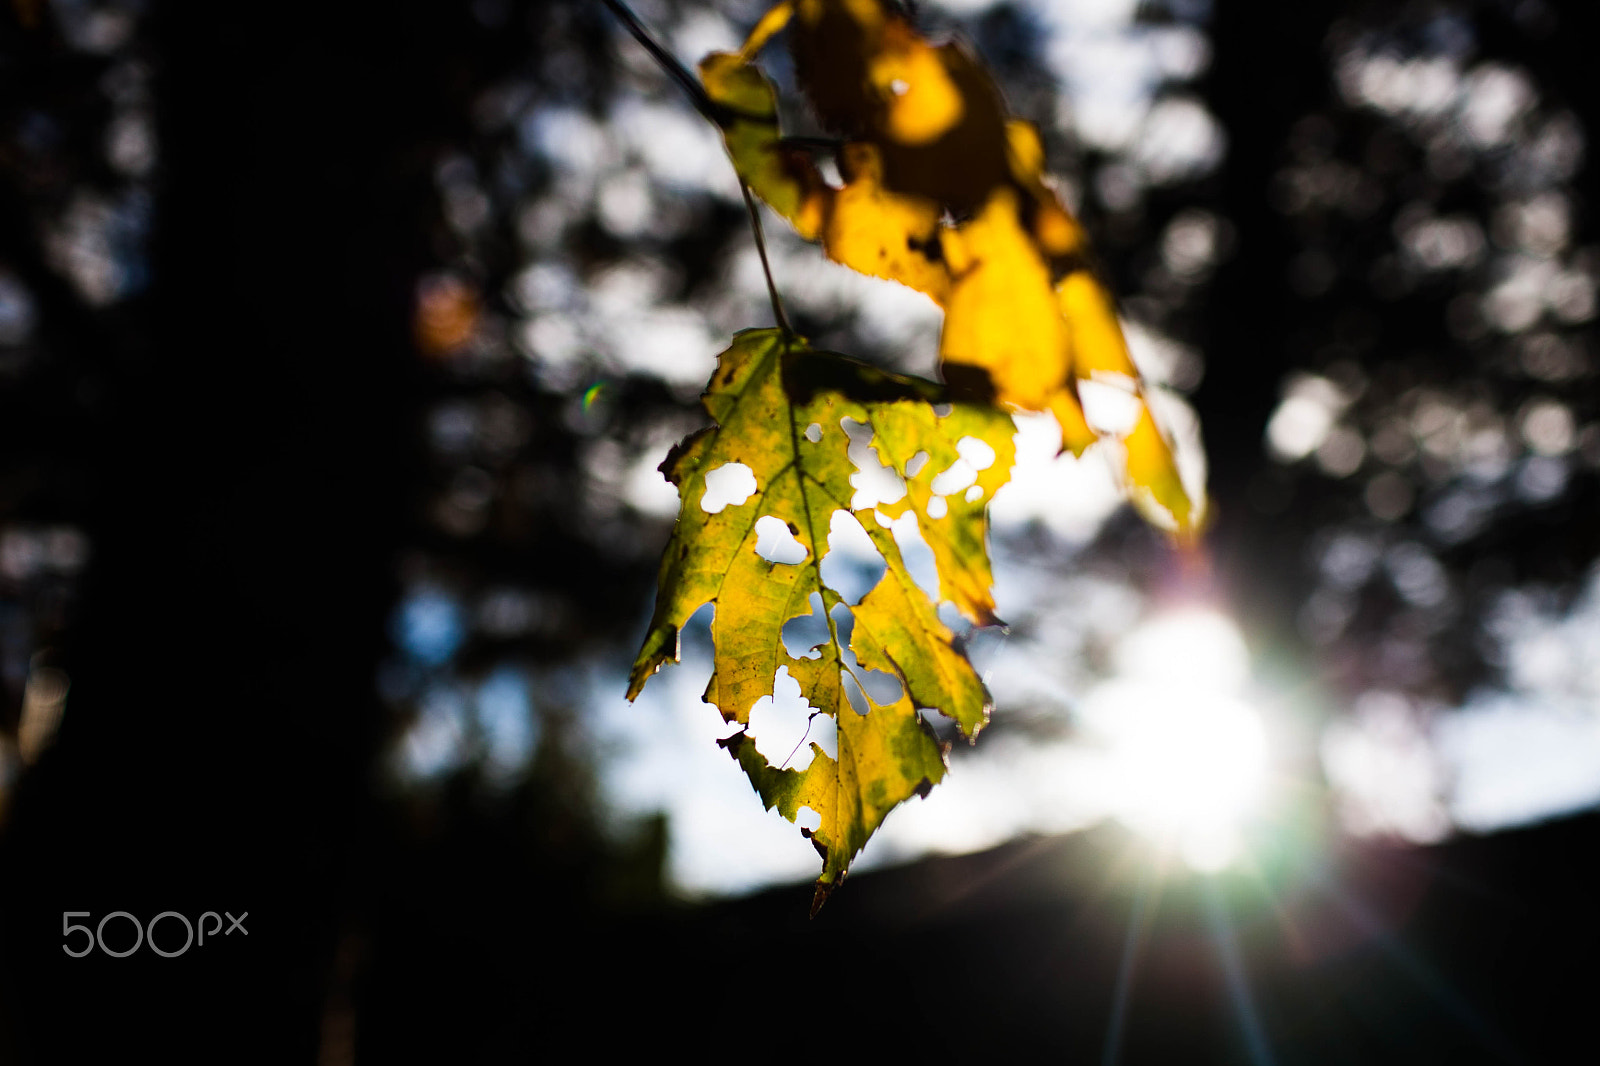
(1439, 416)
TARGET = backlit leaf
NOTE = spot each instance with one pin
(1157, 489)
(956, 537)
(779, 409)
(945, 193)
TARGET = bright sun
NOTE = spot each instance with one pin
(1188, 754)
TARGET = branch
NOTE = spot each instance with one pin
(719, 114)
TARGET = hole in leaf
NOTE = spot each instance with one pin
(783, 725)
(899, 86)
(858, 432)
(976, 452)
(825, 734)
(942, 410)
(844, 623)
(814, 432)
(945, 730)
(956, 479)
(729, 485)
(852, 566)
(858, 701)
(806, 818)
(974, 494)
(695, 636)
(916, 553)
(804, 634)
(915, 464)
(874, 482)
(884, 689)
(775, 542)
(937, 508)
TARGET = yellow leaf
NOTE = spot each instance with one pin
(1098, 346)
(956, 537)
(831, 41)
(1157, 490)
(946, 194)
(918, 95)
(766, 27)
(1002, 317)
(882, 233)
(1061, 240)
(779, 410)
(885, 757)
(894, 620)
(932, 110)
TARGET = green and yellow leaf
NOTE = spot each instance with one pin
(779, 409)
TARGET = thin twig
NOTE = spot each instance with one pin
(720, 115)
(766, 267)
(669, 63)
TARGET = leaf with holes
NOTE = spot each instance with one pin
(781, 411)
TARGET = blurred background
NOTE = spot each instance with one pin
(338, 350)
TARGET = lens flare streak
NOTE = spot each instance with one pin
(1139, 920)
(1220, 925)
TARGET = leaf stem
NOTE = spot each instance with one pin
(766, 267)
(718, 114)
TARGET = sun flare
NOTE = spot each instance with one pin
(1189, 754)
